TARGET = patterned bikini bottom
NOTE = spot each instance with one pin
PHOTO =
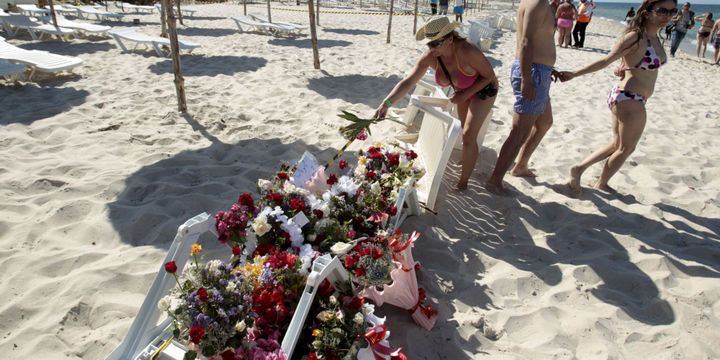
(618, 95)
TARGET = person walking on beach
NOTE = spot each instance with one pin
(530, 77)
(630, 14)
(462, 66)
(443, 7)
(640, 46)
(433, 6)
(716, 35)
(703, 36)
(565, 14)
(684, 21)
(459, 9)
(583, 20)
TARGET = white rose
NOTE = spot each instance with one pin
(333, 299)
(240, 327)
(260, 226)
(231, 287)
(360, 170)
(164, 303)
(264, 184)
(375, 187)
(340, 315)
(359, 319)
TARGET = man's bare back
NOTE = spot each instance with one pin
(541, 44)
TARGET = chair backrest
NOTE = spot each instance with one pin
(19, 21)
(433, 149)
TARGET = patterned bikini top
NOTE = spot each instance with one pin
(651, 61)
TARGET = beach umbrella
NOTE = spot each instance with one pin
(269, 16)
(415, 18)
(392, 2)
(175, 51)
(313, 36)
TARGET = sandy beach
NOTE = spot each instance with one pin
(97, 171)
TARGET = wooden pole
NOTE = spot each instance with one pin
(269, 15)
(163, 18)
(415, 19)
(245, 7)
(317, 16)
(179, 13)
(392, 2)
(52, 14)
(313, 36)
(175, 51)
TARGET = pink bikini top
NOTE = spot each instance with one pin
(463, 80)
(651, 60)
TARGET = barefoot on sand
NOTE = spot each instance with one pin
(496, 189)
(461, 186)
(574, 183)
(604, 187)
(522, 172)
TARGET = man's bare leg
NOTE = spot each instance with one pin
(542, 125)
(522, 126)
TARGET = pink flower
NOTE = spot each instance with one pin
(362, 136)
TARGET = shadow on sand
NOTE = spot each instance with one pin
(46, 101)
(368, 90)
(211, 65)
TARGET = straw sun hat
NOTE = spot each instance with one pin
(436, 28)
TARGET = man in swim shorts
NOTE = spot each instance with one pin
(530, 76)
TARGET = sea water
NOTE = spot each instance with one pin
(616, 12)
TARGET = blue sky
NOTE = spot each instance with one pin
(708, 2)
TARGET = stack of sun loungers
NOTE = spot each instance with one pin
(13, 24)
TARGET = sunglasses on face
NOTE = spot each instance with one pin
(665, 12)
(436, 43)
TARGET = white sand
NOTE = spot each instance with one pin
(98, 171)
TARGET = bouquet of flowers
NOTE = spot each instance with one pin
(233, 310)
(369, 261)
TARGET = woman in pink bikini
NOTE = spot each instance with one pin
(462, 66)
(565, 15)
(640, 46)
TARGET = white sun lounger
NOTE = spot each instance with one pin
(84, 12)
(184, 11)
(433, 152)
(263, 27)
(10, 70)
(37, 60)
(32, 10)
(81, 27)
(296, 27)
(138, 9)
(156, 42)
(14, 23)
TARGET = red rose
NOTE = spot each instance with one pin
(246, 200)
(356, 303)
(373, 150)
(376, 254)
(283, 176)
(376, 155)
(326, 289)
(276, 198)
(196, 333)
(332, 179)
(297, 204)
(202, 294)
(349, 262)
(411, 155)
(228, 354)
(393, 210)
(318, 213)
(393, 160)
(171, 267)
(360, 271)
(343, 164)
(312, 356)
(370, 175)
(351, 234)
(236, 250)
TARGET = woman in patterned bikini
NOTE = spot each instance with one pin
(639, 45)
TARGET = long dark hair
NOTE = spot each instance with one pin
(641, 17)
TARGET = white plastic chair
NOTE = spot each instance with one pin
(11, 71)
(84, 12)
(37, 60)
(14, 23)
(80, 27)
(145, 334)
(137, 9)
(155, 42)
(184, 11)
(297, 28)
(32, 10)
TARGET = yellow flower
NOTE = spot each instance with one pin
(195, 249)
(317, 332)
(362, 160)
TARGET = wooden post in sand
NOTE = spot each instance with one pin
(245, 7)
(269, 15)
(179, 12)
(317, 16)
(392, 2)
(175, 51)
(415, 19)
(52, 14)
(313, 36)
(163, 18)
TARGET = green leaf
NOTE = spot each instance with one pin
(190, 355)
